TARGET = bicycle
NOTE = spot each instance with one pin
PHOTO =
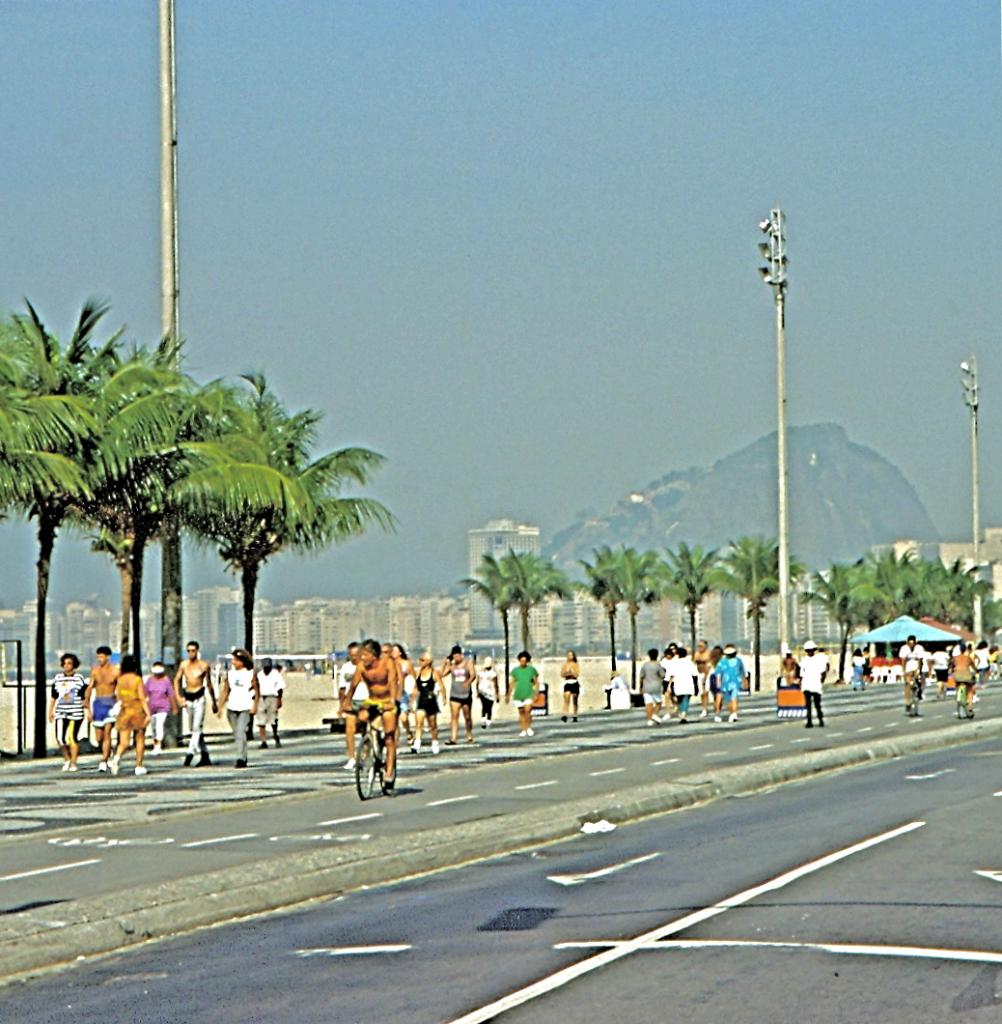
(915, 684)
(370, 760)
(965, 708)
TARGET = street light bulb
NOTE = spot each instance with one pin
(965, 367)
(764, 225)
(765, 272)
(765, 250)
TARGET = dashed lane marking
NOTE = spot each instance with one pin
(452, 800)
(538, 785)
(803, 739)
(219, 839)
(591, 876)
(354, 817)
(47, 871)
(762, 746)
(320, 837)
(351, 951)
(866, 728)
(716, 753)
(108, 844)
(930, 775)
(608, 956)
(667, 760)
(994, 876)
(607, 771)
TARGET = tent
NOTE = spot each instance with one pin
(901, 629)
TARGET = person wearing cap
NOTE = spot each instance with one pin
(487, 691)
(813, 669)
(160, 697)
(731, 673)
(272, 686)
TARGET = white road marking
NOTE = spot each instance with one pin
(832, 735)
(607, 771)
(613, 869)
(351, 950)
(593, 963)
(219, 839)
(922, 952)
(995, 876)
(107, 844)
(762, 746)
(866, 728)
(716, 753)
(931, 775)
(46, 871)
(538, 785)
(354, 817)
(321, 837)
(667, 760)
(803, 739)
(452, 800)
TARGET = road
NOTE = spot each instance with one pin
(64, 832)
(840, 899)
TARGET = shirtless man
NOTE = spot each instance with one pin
(701, 656)
(196, 675)
(381, 675)
(99, 699)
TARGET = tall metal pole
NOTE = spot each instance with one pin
(970, 384)
(774, 275)
(170, 585)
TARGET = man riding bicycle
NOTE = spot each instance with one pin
(913, 664)
(381, 674)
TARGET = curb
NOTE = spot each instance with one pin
(99, 925)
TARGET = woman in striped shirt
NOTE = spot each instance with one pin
(66, 709)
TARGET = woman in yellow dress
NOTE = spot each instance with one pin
(133, 715)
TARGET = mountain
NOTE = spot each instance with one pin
(844, 497)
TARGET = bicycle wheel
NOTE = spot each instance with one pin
(365, 766)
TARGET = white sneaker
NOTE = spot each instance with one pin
(434, 746)
(102, 766)
(717, 718)
(73, 768)
(66, 766)
(113, 765)
(702, 714)
(417, 745)
(732, 717)
(349, 764)
(529, 732)
(157, 750)
(652, 721)
(523, 733)
(140, 770)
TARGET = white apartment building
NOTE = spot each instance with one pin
(497, 538)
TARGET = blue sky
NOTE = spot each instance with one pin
(512, 246)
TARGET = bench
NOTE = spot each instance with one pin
(336, 724)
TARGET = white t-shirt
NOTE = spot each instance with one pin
(241, 695)
(941, 661)
(487, 680)
(272, 683)
(913, 658)
(682, 674)
(812, 670)
(345, 675)
(981, 660)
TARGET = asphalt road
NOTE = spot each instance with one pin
(667, 919)
(70, 833)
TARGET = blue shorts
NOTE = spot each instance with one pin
(730, 692)
(101, 710)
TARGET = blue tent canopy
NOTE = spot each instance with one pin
(901, 629)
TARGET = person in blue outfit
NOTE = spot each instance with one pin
(731, 673)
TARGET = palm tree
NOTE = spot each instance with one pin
(46, 423)
(845, 592)
(750, 569)
(494, 584)
(603, 583)
(639, 575)
(691, 573)
(119, 549)
(532, 580)
(257, 490)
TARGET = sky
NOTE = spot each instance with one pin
(512, 246)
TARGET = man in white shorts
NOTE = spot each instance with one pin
(272, 684)
(348, 707)
(652, 678)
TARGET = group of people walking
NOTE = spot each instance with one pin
(670, 680)
(122, 707)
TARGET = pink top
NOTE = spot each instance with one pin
(158, 691)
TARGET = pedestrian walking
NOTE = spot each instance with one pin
(652, 678)
(133, 715)
(982, 663)
(192, 689)
(348, 707)
(570, 673)
(683, 682)
(941, 669)
(99, 699)
(407, 699)
(271, 684)
(240, 697)
(487, 691)
(859, 670)
(813, 669)
(66, 709)
(461, 673)
(522, 690)
(668, 698)
(428, 689)
(701, 658)
(716, 654)
(161, 701)
(731, 673)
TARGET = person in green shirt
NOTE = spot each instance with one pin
(526, 685)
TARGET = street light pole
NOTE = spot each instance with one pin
(170, 583)
(774, 275)
(969, 382)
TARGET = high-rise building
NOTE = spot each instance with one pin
(497, 538)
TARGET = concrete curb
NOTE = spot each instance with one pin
(99, 925)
